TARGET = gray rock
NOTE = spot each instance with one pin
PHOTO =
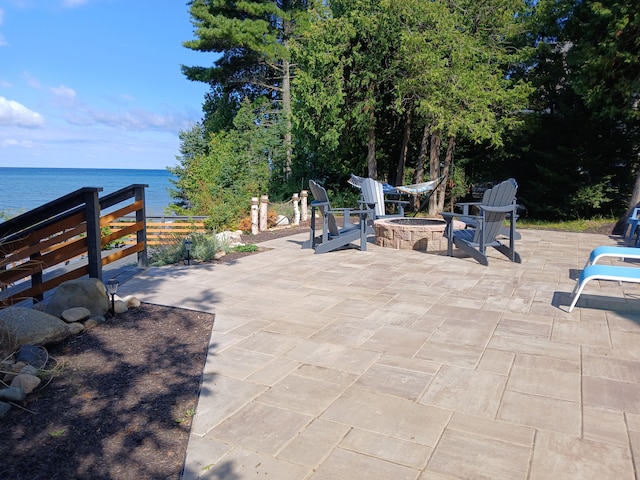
(32, 355)
(4, 409)
(28, 383)
(75, 328)
(83, 292)
(94, 321)
(21, 326)
(76, 314)
(29, 370)
(12, 394)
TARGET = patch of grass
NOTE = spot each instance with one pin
(245, 248)
(58, 433)
(574, 226)
(187, 415)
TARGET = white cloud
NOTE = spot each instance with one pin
(3, 41)
(132, 120)
(64, 92)
(32, 81)
(10, 142)
(64, 96)
(73, 3)
(15, 114)
(5, 84)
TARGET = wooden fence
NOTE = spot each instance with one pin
(161, 230)
(62, 240)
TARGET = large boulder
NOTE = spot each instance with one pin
(82, 292)
(21, 326)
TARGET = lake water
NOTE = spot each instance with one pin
(23, 189)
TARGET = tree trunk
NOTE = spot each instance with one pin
(402, 159)
(434, 166)
(418, 176)
(371, 153)
(448, 161)
(286, 108)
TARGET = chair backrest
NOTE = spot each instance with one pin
(320, 195)
(500, 195)
(372, 193)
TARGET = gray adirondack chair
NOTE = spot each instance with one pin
(332, 236)
(373, 197)
(497, 203)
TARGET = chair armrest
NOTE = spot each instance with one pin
(398, 202)
(318, 203)
(505, 209)
(465, 207)
(452, 215)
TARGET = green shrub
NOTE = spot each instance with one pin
(203, 248)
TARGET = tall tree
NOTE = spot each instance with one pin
(253, 38)
(604, 61)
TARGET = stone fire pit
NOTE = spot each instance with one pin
(424, 234)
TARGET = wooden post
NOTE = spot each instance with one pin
(264, 205)
(92, 216)
(296, 209)
(141, 235)
(254, 215)
(303, 205)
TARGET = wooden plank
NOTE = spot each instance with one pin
(26, 269)
(34, 291)
(122, 253)
(122, 232)
(111, 217)
(35, 237)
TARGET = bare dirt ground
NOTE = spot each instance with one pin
(120, 404)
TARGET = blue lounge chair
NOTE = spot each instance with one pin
(612, 251)
(603, 272)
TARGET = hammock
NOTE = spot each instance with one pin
(415, 189)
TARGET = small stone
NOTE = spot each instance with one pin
(32, 355)
(4, 409)
(27, 383)
(120, 306)
(29, 370)
(219, 255)
(94, 321)
(76, 328)
(131, 301)
(18, 366)
(12, 394)
(76, 314)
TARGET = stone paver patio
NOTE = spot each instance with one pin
(393, 364)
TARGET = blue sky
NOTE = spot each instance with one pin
(96, 83)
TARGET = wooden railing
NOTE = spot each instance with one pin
(62, 240)
(161, 230)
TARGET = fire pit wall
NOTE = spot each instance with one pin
(424, 234)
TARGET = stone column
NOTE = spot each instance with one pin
(254, 215)
(264, 205)
(296, 209)
(303, 205)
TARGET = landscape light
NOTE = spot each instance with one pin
(187, 247)
(112, 289)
